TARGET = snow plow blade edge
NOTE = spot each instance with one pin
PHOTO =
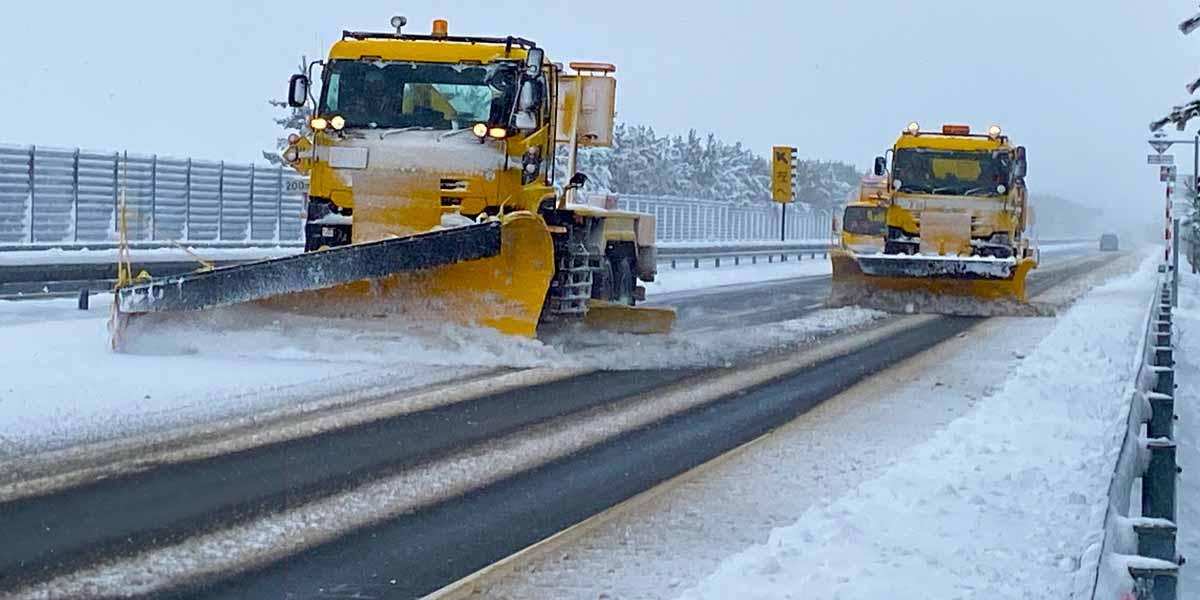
(936, 266)
(621, 318)
(955, 293)
(310, 271)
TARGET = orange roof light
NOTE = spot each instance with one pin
(956, 129)
(593, 66)
(440, 28)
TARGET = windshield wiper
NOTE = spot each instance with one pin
(974, 190)
(949, 190)
(404, 129)
(452, 132)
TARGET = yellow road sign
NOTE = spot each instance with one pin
(783, 171)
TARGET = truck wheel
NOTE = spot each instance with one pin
(602, 284)
(624, 281)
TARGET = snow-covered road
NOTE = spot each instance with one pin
(1016, 485)
(63, 386)
(977, 470)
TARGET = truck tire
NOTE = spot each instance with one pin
(624, 281)
(602, 284)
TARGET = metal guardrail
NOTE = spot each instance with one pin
(698, 256)
(34, 280)
(63, 277)
(1143, 544)
(690, 220)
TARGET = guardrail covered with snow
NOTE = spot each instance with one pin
(1137, 559)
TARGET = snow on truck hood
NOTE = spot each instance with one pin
(455, 151)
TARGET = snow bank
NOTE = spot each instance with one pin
(707, 348)
(63, 385)
(1000, 504)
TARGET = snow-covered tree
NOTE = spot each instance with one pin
(292, 120)
(702, 167)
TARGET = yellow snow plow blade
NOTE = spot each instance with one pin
(622, 318)
(495, 275)
(504, 292)
(945, 285)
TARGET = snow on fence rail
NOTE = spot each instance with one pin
(1137, 557)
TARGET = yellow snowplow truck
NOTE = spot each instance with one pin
(432, 196)
(945, 233)
(864, 218)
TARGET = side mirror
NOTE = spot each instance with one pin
(1020, 165)
(298, 90)
(880, 166)
(534, 59)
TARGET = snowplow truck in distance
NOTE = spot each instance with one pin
(945, 233)
(864, 218)
(432, 195)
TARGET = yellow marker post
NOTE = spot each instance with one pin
(783, 177)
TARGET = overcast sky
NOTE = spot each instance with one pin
(1076, 81)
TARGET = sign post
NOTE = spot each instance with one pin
(1166, 173)
(1160, 145)
(783, 182)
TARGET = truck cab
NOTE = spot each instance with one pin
(864, 218)
(414, 132)
(410, 130)
(955, 192)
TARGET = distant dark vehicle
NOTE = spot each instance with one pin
(1108, 242)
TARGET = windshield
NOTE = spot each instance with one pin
(864, 220)
(952, 172)
(392, 95)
